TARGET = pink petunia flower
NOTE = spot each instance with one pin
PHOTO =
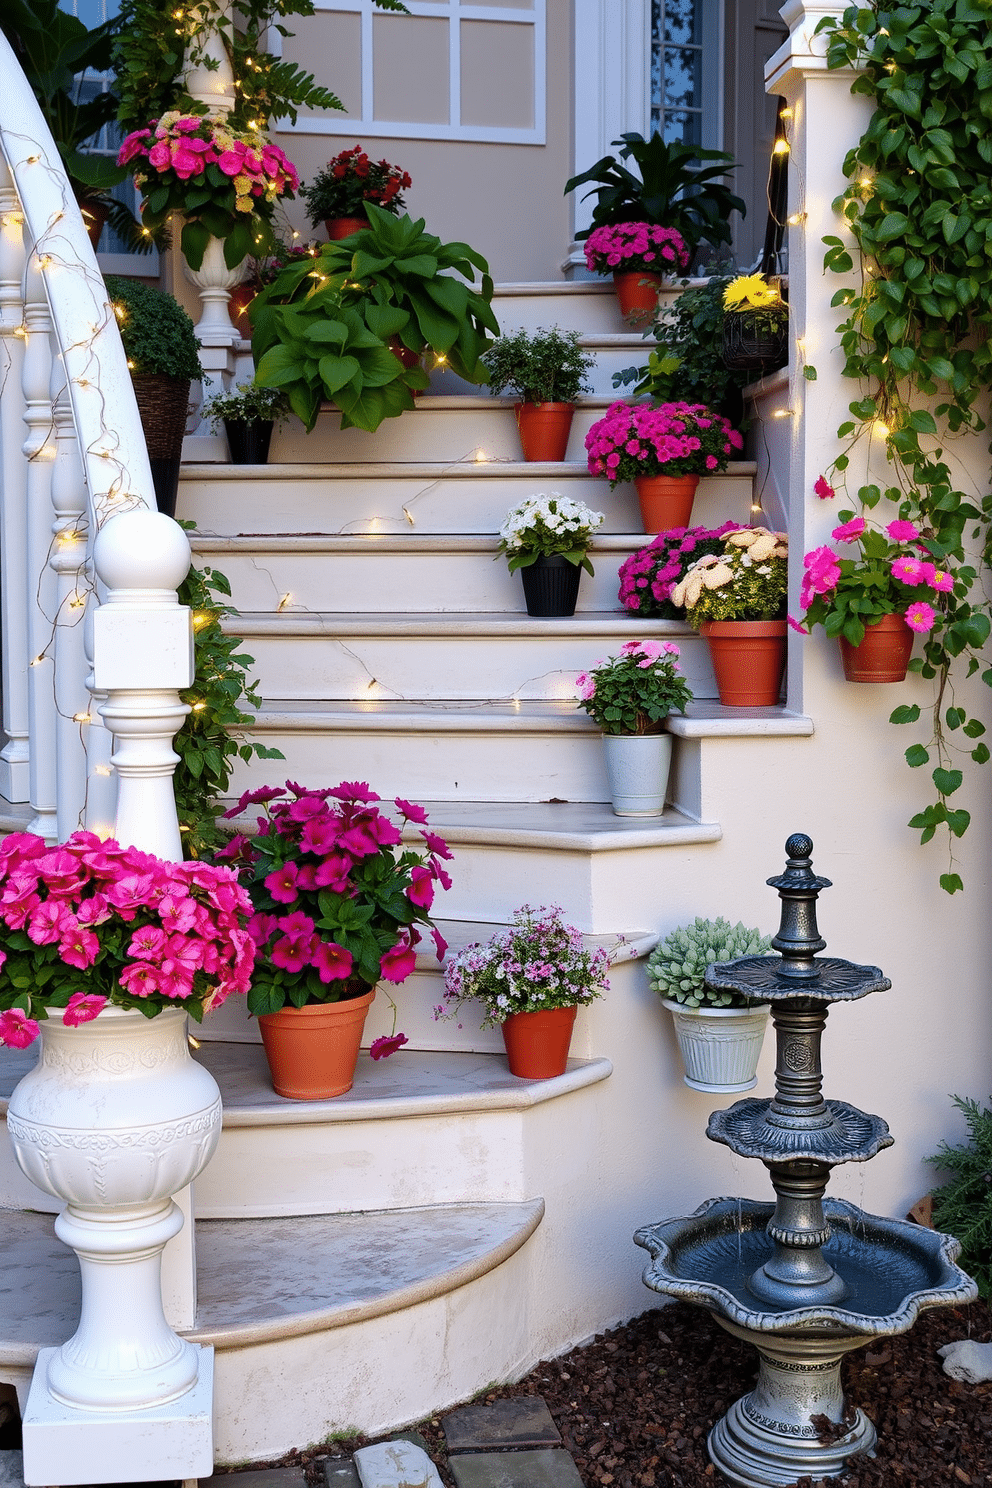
(17, 1030)
(920, 617)
(849, 531)
(332, 961)
(387, 1044)
(81, 1007)
(421, 890)
(398, 962)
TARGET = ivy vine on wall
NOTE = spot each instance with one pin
(917, 331)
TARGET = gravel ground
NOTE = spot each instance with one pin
(634, 1406)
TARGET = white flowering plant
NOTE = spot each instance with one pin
(541, 526)
(747, 581)
(535, 964)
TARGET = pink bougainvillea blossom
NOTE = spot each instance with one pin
(823, 488)
(849, 531)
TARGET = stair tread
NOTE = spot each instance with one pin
(452, 622)
(468, 468)
(412, 1082)
(541, 714)
(384, 542)
(358, 1265)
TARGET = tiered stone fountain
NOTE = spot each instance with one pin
(805, 1280)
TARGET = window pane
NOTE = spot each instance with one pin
(682, 22)
(410, 69)
(497, 74)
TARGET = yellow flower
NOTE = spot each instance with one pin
(749, 292)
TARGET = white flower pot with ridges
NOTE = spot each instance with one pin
(637, 767)
(720, 1047)
(115, 1118)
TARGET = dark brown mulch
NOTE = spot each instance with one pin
(634, 1406)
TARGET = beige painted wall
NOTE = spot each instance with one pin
(504, 200)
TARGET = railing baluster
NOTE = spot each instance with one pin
(69, 562)
(39, 447)
(14, 781)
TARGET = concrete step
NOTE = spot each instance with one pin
(462, 573)
(584, 305)
(314, 1310)
(403, 497)
(413, 658)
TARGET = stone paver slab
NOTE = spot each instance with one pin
(264, 1477)
(521, 1422)
(396, 1464)
(547, 1468)
(341, 1472)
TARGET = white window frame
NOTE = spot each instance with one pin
(455, 11)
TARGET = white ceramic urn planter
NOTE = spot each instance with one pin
(115, 1118)
(720, 1047)
(637, 766)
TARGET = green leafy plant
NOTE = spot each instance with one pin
(747, 581)
(674, 188)
(687, 363)
(322, 329)
(542, 526)
(542, 366)
(916, 331)
(56, 50)
(677, 966)
(159, 337)
(963, 1207)
(247, 404)
(212, 736)
(633, 693)
(154, 39)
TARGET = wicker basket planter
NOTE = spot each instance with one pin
(163, 403)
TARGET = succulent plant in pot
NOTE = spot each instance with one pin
(163, 356)
(548, 370)
(720, 1033)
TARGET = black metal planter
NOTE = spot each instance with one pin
(750, 344)
(551, 586)
(249, 442)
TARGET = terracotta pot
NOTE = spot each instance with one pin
(883, 655)
(748, 660)
(537, 1043)
(544, 429)
(95, 214)
(666, 500)
(343, 227)
(237, 308)
(637, 293)
(551, 586)
(312, 1051)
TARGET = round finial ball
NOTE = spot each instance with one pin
(799, 846)
(141, 550)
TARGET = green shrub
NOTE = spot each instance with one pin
(963, 1207)
(541, 366)
(158, 335)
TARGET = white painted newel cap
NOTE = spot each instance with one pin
(142, 550)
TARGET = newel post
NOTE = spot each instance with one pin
(143, 656)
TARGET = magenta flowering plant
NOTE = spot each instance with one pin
(226, 183)
(632, 440)
(648, 576)
(888, 573)
(636, 247)
(337, 898)
(535, 964)
(633, 693)
(90, 922)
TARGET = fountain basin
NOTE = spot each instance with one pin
(894, 1270)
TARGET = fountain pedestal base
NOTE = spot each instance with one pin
(795, 1422)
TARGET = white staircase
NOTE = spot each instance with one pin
(368, 1260)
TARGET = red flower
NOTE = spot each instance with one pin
(381, 1048)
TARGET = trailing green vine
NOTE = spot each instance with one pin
(212, 736)
(917, 330)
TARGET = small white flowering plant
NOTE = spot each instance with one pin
(541, 526)
(747, 581)
(535, 964)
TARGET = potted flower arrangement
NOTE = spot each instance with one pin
(664, 451)
(163, 356)
(547, 538)
(104, 951)
(338, 192)
(648, 576)
(755, 325)
(737, 600)
(547, 370)
(876, 601)
(630, 696)
(336, 913)
(720, 1033)
(248, 414)
(530, 978)
(224, 181)
(637, 254)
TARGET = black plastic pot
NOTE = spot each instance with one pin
(163, 403)
(249, 441)
(551, 586)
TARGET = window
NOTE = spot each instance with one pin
(450, 69)
(685, 71)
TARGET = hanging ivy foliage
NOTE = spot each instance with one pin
(916, 333)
